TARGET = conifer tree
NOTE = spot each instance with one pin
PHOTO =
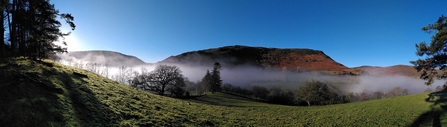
(435, 53)
(33, 27)
(216, 82)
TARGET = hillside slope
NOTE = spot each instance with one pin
(404, 70)
(291, 59)
(34, 93)
(104, 57)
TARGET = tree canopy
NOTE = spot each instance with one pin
(313, 91)
(163, 78)
(32, 27)
(435, 53)
(211, 81)
(215, 81)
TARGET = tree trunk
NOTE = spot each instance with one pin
(308, 103)
(2, 32)
(162, 91)
(12, 30)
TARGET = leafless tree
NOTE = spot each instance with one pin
(123, 75)
(163, 78)
(105, 70)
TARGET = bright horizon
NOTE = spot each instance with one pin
(353, 33)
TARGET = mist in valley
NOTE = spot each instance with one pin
(246, 76)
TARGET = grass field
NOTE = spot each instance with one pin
(44, 93)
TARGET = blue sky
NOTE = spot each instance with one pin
(352, 32)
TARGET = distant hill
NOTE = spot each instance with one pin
(293, 59)
(104, 57)
(405, 70)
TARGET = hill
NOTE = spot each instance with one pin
(103, 57)
(293, 59)
(43, 93)
(404, 70)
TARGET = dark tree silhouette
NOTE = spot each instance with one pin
(3, 5)
(435, 53)
(206, 81)
(163, 78)
(33, 28)
(216, 82)
(260, 92)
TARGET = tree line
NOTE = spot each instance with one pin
(30, 28)
(168, 79)
(163, 79)
(310, 93)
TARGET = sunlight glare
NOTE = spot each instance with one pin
(72, 43)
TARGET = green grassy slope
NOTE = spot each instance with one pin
(50, 94)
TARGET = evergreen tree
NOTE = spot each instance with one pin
(33, 28)
(435, 53)
(205, 84)
(216, 82)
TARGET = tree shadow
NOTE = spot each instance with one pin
(40, 95)
(438, 108)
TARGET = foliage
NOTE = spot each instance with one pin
(312, 92)
(206, 81)
(163, 78)
(33, 28)
(211, 81)
(260, 92)
(215, 82)
(435, 53)
(277, 95)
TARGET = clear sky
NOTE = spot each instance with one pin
(352, 32)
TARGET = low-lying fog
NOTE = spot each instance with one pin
(246, 76)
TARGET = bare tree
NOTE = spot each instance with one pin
(163, 78)
(378, 95)
(93, 67)
(123, 75)
(397, 91)
(105, 70)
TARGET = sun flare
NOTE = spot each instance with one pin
(72, 43)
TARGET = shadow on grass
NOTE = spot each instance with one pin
(30, 97)
(222, 99)
(438, 108)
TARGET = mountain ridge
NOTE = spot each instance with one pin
(293, 59)
(105, 57)
(290, 59)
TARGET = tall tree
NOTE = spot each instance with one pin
(33, 28)
(216, 82)
(205, 83)
(163, 78)
(3, 5)
(435, 54)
